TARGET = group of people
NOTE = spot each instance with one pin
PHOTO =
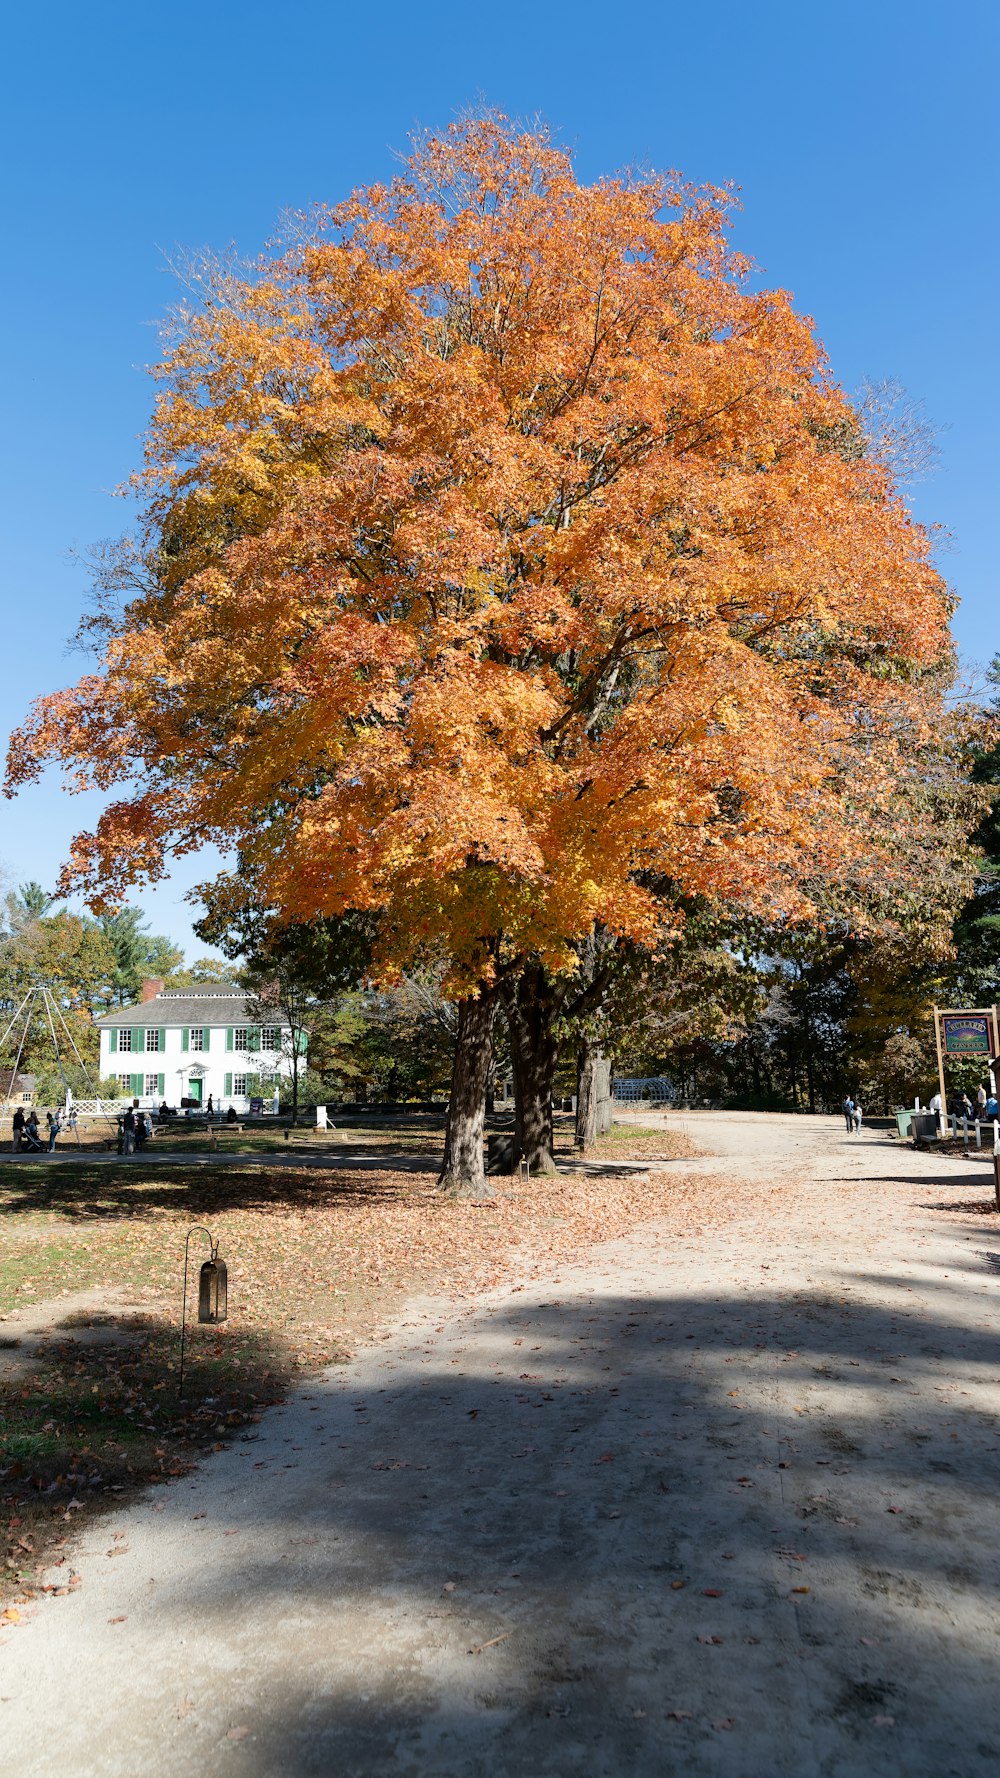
(960, 1110)
(190, 1105)
(963, 1110)
(135, 1129)
(27, 1131)
(853, 1114)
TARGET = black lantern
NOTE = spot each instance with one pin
(212, 1288)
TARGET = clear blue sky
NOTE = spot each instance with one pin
(863, 137)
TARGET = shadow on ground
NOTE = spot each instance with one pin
(98, 1191)
(615, 1534)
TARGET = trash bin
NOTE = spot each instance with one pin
(924, 1126)
(499, 1154)
(903, 1121)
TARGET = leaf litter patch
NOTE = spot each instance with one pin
(319, 1261)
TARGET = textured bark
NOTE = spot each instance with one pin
(586, 1096)
(593, 1094)
(463, 1174)
(530, 1005)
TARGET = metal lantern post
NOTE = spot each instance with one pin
(212, 1289)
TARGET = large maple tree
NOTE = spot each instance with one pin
(507, 555)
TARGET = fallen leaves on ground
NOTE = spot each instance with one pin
(637, 1144)
(320, 1262)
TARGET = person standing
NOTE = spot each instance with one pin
(54, 1121)
(128, 1131)
(210, 1105)
(17, 1128)
(856, 1115)
(848, 1110)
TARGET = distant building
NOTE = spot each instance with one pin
(17, 1089)
(195, 1044)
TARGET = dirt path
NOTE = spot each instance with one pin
(719, 1505)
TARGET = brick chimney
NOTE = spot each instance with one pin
(150, 988)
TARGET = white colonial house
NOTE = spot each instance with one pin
(195, 1044)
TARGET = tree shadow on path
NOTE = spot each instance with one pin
(741, 1533)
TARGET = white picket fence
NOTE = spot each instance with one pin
(98, 1107)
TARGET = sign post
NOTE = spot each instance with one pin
(942, 1089)
(971, 1032)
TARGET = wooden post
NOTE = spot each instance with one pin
(942, 1126)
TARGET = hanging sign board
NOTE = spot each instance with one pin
(967, 1034)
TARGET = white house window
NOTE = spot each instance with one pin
(152, 1083)
(239, 1085)
(125, 1038)
(270, 1037)
(26, 1098)
(241, 1037)
(125, 1082)
(152, 1039)
(197, 1038)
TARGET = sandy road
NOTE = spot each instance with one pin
(699, 1505)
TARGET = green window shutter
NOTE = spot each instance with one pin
(302, 1042)
(113, 1038)
(228, 1084)
(254, 1043)
(184, 1037)
(206, 1037)
(161, 1081)
(137, 1085)
(163, 1041)
(139, 1039)
(229, 1041)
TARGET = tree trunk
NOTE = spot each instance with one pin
(605, 1108)
(586, 1095)
(529, 1004)
(462, 1172)
(593, 1094)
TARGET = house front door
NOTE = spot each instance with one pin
(194, 1088)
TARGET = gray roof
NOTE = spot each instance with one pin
(185, 1006)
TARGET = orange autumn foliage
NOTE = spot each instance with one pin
(508, 556)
